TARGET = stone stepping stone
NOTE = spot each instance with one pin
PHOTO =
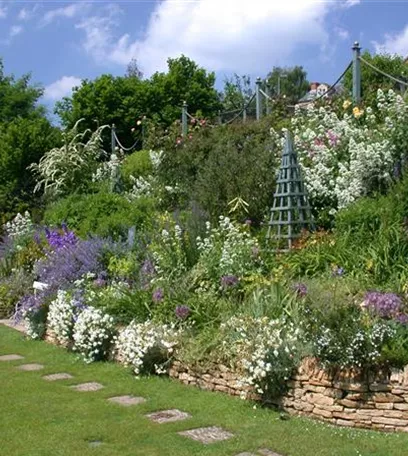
(207, 435)
(90, 386)
(127, 401)
(30, 367)
(10, 357)
(246, 454)
(266, 452)
(168, 416)
(59, 376)
(95, 443)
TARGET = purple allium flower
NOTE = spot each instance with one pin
(99, 282)
(337, 271)
(403, 319)
(300, 289)
(229, 281)
(182, 312)
(255, 251)
(385, 305)
(158, 295)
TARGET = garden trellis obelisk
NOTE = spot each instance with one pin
(291, 212)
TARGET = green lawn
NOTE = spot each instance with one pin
(40, 418)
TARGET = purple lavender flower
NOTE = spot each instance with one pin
(158, 295)
(300, 289)
(229, 281)
(182, 312)
(385, 305)
(58, 240)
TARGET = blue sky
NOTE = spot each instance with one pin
(63, 42)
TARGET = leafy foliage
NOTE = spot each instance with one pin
(104, 214)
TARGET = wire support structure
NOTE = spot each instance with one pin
(242, 111)
(126, 149)
(334, 84)
(373, 67)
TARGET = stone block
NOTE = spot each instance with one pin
(345, 423)
(389, 421)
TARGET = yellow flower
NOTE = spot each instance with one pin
(357, 112)
(346, 104)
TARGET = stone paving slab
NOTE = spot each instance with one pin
(59, 376)
(207, 435)
(90, 386)
(95, 443)
(246, 454)
(266, 452)
(30, 367)
(12, 324)
(10, 357)
(127, 401)
(168, 416)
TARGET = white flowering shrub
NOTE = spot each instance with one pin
(61, 317)
(169, 255)
(346, 157)
(146, 347)
(227, 253)
(93, 333)
(360, 346)
(265, 351)
(20, 226)
(142, 187)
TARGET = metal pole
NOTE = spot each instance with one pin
(184, 121)
(258, 99)
(356, 73)
(268, 100)
(113, 139)
(279, 85)
(219, 118)
(244, 114)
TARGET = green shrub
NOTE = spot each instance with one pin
(217, 165)
(138, 164)
(103, 214)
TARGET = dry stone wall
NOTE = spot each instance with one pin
(347, 398)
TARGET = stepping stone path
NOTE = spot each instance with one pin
(127, 401)
(10, 357)
(95, 443)
(168, 416)
(207, 435)
(30, 367)
(91, 386)
(266, 452)
(54, 377)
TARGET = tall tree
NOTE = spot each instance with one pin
(106, 100)
(237, 92)
(371, 81)
(290, 82)
(184, 81)
(25, 135)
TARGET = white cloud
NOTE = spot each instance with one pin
(342, 33)
(15, 30)
(70, 11)
(61, 88)
(3, 11)
(350, 3)
(394, 44)
(227, 35)
(26, 14)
